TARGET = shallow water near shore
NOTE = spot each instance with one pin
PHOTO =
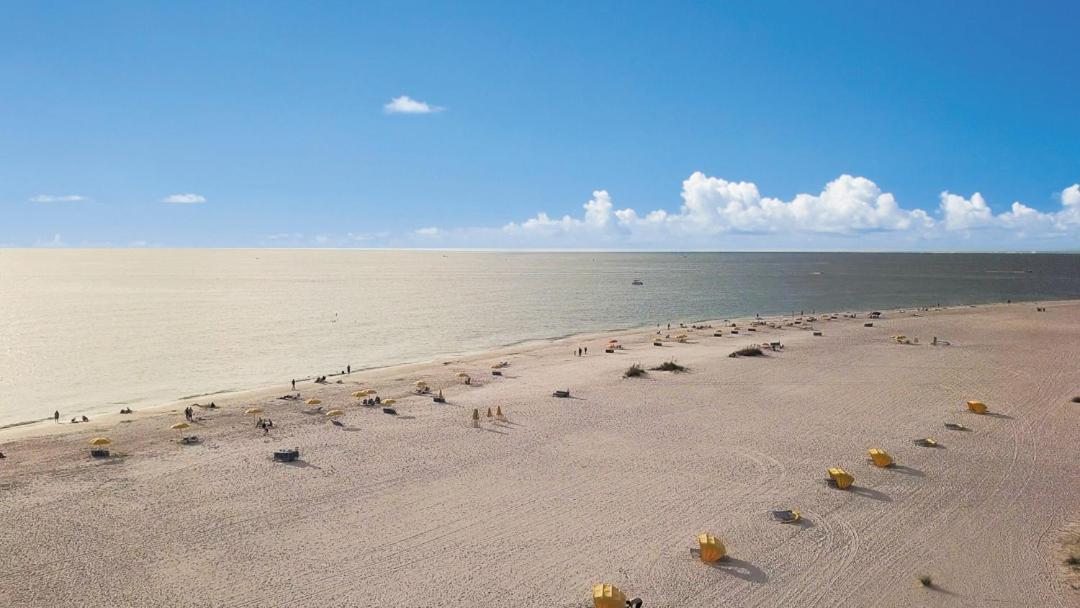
(86, 331)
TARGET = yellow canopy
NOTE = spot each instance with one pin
(462, 375)
(314, 401)
(388, 401)
(371, 391)
(253, 410)
(420, 383)
(359, 394)
(335, 413)
(100, 441)
(179, 426)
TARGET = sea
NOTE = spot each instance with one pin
(88, 331)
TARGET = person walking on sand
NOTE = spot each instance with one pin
(586, 350)
(294, 384)
(56, 416)
(348, 369)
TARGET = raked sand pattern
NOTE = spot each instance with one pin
(611, 485)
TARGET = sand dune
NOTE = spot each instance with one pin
(611, 485)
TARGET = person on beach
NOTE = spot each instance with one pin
(586, 350)
(348, 369)
(85, 419)
(294, 384)
(56, 416)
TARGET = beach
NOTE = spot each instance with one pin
(610, 485)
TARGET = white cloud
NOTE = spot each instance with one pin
(964, 213)
(184, 199)
(407, 105)
(974, 213)
(713, 206)
(850, 213)
(431, 231)
(58, 198)
(55, 241)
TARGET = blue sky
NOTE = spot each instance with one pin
(835, 125)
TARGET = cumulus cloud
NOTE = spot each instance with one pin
(58, 198)
(714, 206)
(407, 105)
(848, 213)
(967, 214)
(184, 199)
(431, 231)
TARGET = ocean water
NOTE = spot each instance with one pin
(86, 331)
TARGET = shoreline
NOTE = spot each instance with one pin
(40, 427)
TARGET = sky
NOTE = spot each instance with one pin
(541, 125)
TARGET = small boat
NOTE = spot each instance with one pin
(637, 282)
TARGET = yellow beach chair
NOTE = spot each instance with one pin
(710, 548)
(880, 457)
(840, 478)
(977, 406)
(607, 596)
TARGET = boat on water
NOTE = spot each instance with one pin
(637, 282)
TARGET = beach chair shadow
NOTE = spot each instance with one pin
(496, 431)
(301, 464)
(740, 568)
(906, 470)
(998, 415)
(868, 493)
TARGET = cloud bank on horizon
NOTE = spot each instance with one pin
(849, 213)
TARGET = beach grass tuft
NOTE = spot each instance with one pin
(749, 351)
(1073, 560)
(670, 366)
(926, 580)
(1076, 399)
(634, 371)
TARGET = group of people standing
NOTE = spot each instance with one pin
(582, 351)
(56, 418)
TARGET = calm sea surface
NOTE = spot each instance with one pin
(85, 331)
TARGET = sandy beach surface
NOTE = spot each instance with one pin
(610, 485)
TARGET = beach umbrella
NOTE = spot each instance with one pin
(314, 401)
(419, 383)
(180, 426)
(370, 391)
(252, 411)
(389, 401)
(335, 413)
(359, 394)
(100, 441)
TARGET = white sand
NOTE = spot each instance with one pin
(421, 510)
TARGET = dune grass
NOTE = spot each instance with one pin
(634, 371)
(749, 351)
(1076, 399)
(670, 366)
(926, 581)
